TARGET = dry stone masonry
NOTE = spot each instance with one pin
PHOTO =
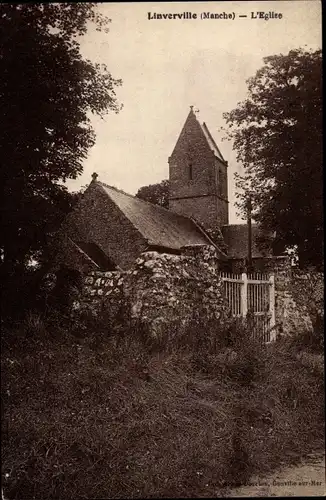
(299, 296)
(160, 288)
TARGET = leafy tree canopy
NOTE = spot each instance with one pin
(277, 134)
(155, 193)
(47, 93)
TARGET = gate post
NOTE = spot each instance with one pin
(244, 294)
(272, 307)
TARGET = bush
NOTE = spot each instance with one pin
(311, 340)
(96, 410)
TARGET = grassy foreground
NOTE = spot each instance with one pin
(92, 414)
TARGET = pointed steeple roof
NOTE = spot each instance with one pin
(212, 144)
(192, 120)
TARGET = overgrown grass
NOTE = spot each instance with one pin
(95, 412)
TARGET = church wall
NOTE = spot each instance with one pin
(221, 178)
(97, 219)
(203, 171)
(203, 209)
(223, 212)
(222, 191)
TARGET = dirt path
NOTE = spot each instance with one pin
(305, 479)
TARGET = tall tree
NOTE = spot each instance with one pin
(277, 133)
(155, 193)
(47, 92)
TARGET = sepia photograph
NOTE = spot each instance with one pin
(162, 250)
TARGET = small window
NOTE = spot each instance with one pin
(190, 172)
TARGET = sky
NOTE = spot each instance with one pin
(167, 65)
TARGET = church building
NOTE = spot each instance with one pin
(109, 229)
(198, 176)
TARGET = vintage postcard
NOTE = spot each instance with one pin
(162, 250)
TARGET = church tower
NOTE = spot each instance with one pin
(198, 176)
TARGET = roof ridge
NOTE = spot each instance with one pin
(113, 187)
(158, 207)
(209, 137)
(213, 140)
(239, 224)
(82, 251)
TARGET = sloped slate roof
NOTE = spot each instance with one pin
(212, 144)
(192, 118)
(236, 238)
(159, 226)
(96, 254)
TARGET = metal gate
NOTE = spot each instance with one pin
(252, 296)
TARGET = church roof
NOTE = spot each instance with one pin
(212, 144)
(236, 238)
(159, 226)
(193, 121)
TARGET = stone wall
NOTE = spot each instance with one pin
(307, 288)
(160, 289)
(299, 296)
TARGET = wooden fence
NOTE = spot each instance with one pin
(255, 294)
